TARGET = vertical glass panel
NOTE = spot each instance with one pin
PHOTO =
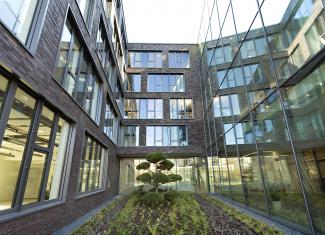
(150, 136)
(18, 16)
(45, 127)
(35, 177)
(63, 53)
(158, 109)
(235, 176)
(58, 159)
(13, 145)
(305, 101)
(144, 112)
(3, 89)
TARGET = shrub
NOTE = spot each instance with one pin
(174, 177)
(171, 196)
(155, 157)
(145, 177)
(143, 166)
(165, 165)
(152, 199)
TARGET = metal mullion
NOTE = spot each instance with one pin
(49, 158)
(7, 105)
(295, 158)
(90, 157)
(252, 121)
(83, 159)
(93, 177)
(28, 155)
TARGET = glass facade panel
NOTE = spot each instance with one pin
(179, 59)
(143, 109)
(93, 171)
(134, 83)
(165, 83)
(18, 16)
(181, 108)
(111, 122)
(74, 72)
(130, 136)
(166, 136)
(145, 59)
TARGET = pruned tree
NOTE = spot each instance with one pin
(160, 174)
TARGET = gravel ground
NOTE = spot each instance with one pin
(220, 222)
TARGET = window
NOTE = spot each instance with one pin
(22, 18)
(143, 109)
(110, 122)
(107, 4)
(253, 47)
(296, 58)
(85, 7)
(119, 98)
(74, 72)
(219, 55)
(130, 136)
(93, 166)
(276, 43)
(179, 59)
(255, 97)
(166, 136)
(253, 74)
(316, 34)
(145, 59)
(234, 78)
(104, 54)
(241, 133)
(134, 83)
(31, 162)
(226, 105)
(165, 83)
(181, 108)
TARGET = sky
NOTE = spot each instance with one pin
(178, 21)
(163, 21)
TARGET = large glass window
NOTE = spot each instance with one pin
(166, 136)
(219, 55)
(35, 160)
(255, 97)
(234, 78)
(130, 136)
(179, 59)
(166, 83)
(145, 59)
(226, 105)
(134, 83)
(111, 122)
(104, 54)
(181, 108)
(143, 109)
(74, 72)
(18, 16)
(253, 74)
(253, 47)
(93, 166)
(315, 34)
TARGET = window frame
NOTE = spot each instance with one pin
(31, 146)
(174, 56)
(169, 130)
(35, 28)
(178, 115)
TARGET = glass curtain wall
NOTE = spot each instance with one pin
(264, 132)
(193, 171)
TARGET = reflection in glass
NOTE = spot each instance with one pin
(13, 145)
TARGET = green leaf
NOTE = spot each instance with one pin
(175, 177)
(160, 178)
(145, 178)
(155, 157)
(165, 165)
(143, 166)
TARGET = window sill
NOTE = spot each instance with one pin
(27, 211)
(84, 195)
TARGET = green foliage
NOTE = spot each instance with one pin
(174, 177)
(145, 177)
(171, 196)
(143, 166)
(152, 199)
(99, 221)
(155, 157)
(160, 178)
(256, 225)
(165, 165)
(184, 216)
